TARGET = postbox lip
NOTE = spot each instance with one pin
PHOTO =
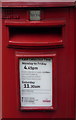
(72, 3)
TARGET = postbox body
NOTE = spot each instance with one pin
(38, 44)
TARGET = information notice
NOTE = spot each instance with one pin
(35, 82)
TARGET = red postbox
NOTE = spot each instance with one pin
(38, 60)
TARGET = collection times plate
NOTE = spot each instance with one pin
(35, 82)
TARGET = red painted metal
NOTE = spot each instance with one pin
(53, 31)
(64, 78)
(42, 23)
(38, 4)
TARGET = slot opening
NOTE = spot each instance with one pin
(27, 36)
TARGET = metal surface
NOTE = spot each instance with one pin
(35, 15)
(61, 22)
(38, 4)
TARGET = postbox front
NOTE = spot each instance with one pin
(38, 61)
